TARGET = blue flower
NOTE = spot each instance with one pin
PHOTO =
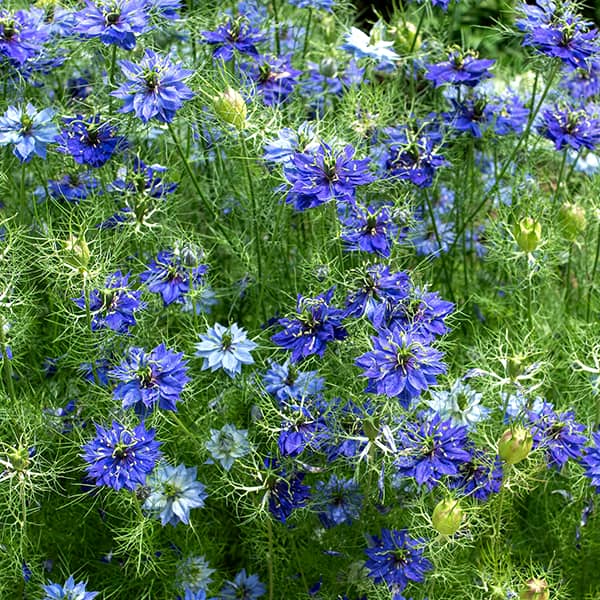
(461, 403)
(228, 444)
(273, 77)
(360, 44)
(317, 324)
(479, 477)
(235, 35)
(74, 187)
(150, 379)
(154, 88)
(324, 175)
(286, 382)
(430, 449)
(591, 461)
(193, 574)
(141, 178)
(397, 559)
(89, 141)
(174, 491)
(460, 69)
(121, 458)
(290, 141)
(113, 21)
(226, 348)
(22, 34)
(302, 429)
(243, 587)
(314, 4)
(171, 277)
(69, 591)
(338, 501)
(113, 306)
(400, 365)
(28, 129)
(571, 127)
(285, 493)
(167, 9)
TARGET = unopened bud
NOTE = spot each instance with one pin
(77, 252)
(231, 108)
(515, 445)
(572, 220)
(528, 234)
(406, 37)
(447, 517)
(535, 589)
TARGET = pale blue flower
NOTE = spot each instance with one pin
(243, 587)
(193, 574)
(226, 348)
(227, 444)
(69, 591)
(174, 491)
(461, 403)
(360, 44)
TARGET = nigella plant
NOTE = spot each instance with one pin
(114, 305)
(174, 491)
(22, 34)
(401, 365)
(317, 324)
(318, 177)
(121, 458)
(273, 77)
(480, 477)
(235, 35)
(591, 461)
(289, 141)
(68, 591)
(243, 587)
(172, 277)
(338, 501)
(302, 429)
(89, 141)
(228, 444)
(73, 187)
(571, 127)
(150, 379)
(113, 21)
(154, 88)
(144, 179)
(287, 383)
(285, 492)
(397, 559)
(461, 68)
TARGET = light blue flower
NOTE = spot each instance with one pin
(227, 348)
(28, 129)
(193, 574)
(174, 491)
(461, 403)
(360, 44)
(227, 444)
(243, 587)
(517, 404)
(69, 591)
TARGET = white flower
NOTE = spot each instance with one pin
(359, 43)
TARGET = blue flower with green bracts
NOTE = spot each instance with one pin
(227, 444)
(69, 591)
(243, 587)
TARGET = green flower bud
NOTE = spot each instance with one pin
(528, 234)
(572, 220)
(19, 459)
(405, 37)
(535, 589)
(515, 444)
(77, 252)
(447, 516)
(231, 108)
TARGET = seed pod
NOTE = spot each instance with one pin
(231, 108)
(515, 445)
(528, 234)
(447, 516)
(572, 220)
(535, 589)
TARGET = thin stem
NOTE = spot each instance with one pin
(560, 175)
(88, 314)
(270, 557)
(417, 32)
(111, 77)
(276, 18)
(7, 365)
(568, 276)
(307, 32)
(593, 276)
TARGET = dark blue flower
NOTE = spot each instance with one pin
(302, 429)
(430, 449)
(324, 175)
(397, 559)
(113, 21)
(591, 461)
(480, 477)
(401, 364)
(121, 458)
(89, 141)
(338, 501)
(153, 88)
(101, 368)
(316, 325)
(243, 587)
(235, 35)
(509, 113)
(171, 277)
(583, 83)
(150, 379)
(287, 383)
(460, 69)
(273, 77)
(470, 116)
(114, 305)
(571, 127)
(289, 141)
(141, 178)
(73, 187)
(285, 493)
(22, 34)
(344, 421)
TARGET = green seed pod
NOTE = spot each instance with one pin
(77, 252)
(528, 234)
(231, 108)
(572, 220)
(535, 589)
(447, 516)
(405, 37)
(515, 444)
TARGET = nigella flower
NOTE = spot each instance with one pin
(193, 574)
(344, 421)
(174, 491)
(509, 112)
(96, 373)
(114, 305)
(461, 403)
(145, 179)
(430, 449)
(68, 591)
(28, 129)
(235, 35)
(89, 141)
(315, 4)
(172, 277)
(470, 116)
(150, 379)
(369, 228)
(429, 240)
(274, 78)
(121, 458)
(460, 69)
(226, 348)
(361, 45)
(479, 477)
(290, 141)
(397, 559)
(591, 460)
(338, 501)
(285, 493)
(287, 383)
(401, 365)
(167, 9)
(243, 587)
(113, 21)
(73, 187)
(559, 435)
(324, 175)
(571, 127)
(316, 325)
(228, 444)
(583, 83)
(22, 34)
(154, 88)
(377, 286)
(302, 429)
(190, 594)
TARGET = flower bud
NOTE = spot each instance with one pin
(572, 220)
(515, 444)
(231, 108)
(405, 37)
(535, 589)
(447, 517)
(77, 252)
(528, 234)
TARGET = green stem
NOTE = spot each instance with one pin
(270, 557)
(417, 32)
(276, 18)
(568, 277)
(593, 276)
(7, 365)
(88, 314)
(111, 77)
(306, 32)
(560, 176)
